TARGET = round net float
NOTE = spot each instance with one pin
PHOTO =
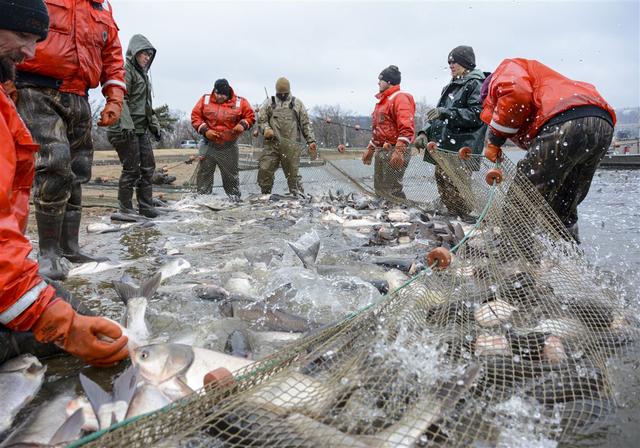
(439, 258)
(432, 146)
(220, 377)
(494, 175)
(465, 153)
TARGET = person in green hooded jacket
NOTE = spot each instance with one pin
(130, 135)
(455, 123)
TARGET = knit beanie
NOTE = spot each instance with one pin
(282, 85)
(464, 56)
(25, 16)
(222, 87)
(391, 75)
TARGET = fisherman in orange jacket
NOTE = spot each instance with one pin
(393, 131)
(81, 51)
(27, 302)
(564, 125)
(221, 118)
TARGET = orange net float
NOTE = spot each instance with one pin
(220, 377)
(465, 153)
(340, 147)
(439, 258)
(494, 175)
(432, 146)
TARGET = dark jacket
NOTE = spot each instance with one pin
(137, 110)
(461, 125)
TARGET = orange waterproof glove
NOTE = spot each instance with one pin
(397, 158)
(493, 152)
(238, 129)
(111, 112)
(211, 134)
(367, 157)
(10, 88)
(268, 133)
(96, 340)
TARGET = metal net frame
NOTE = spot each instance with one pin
(508, 332)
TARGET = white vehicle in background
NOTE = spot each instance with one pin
(188, 144)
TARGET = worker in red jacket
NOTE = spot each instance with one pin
(564, 125)
(221, 118)
(393, 132)
(81, 52)
(27, 302)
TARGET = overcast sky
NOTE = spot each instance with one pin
(332, 52)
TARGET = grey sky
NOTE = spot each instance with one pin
(332, 52)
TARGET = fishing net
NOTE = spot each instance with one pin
(507, 338)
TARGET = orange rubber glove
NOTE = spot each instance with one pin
(493, 153)
(268, 133)
(397, 158)
(81, 335)
(211, 134)
(238, 129)
(111, 112)
(10, 88)
(367, 157)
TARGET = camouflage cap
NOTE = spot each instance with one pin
(282, 85)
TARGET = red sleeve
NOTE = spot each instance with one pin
(197, 118)
(18, 273)
(248, 114)
(405, 110)
(512, 96)
(112, 60)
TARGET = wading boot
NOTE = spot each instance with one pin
(69, 241)
(125, 191)
(51, 263)
(145, 202)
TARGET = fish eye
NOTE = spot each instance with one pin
(144, 354)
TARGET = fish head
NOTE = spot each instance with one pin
(158, 363)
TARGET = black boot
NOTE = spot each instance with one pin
(125, 191)
(145, 202)
(69, 241)
(52, 265)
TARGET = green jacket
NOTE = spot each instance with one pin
(137, 109)
(460, 123)
(266, 119)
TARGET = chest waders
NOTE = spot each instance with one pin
(283, 149)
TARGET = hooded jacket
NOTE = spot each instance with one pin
(23, 293)
(459, 124)
(137, 109)
(524, 94)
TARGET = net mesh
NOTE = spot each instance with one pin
(514, 337)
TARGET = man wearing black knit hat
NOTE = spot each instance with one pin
(29, 307)
(456, 123)
(220, 118)
(393, 130)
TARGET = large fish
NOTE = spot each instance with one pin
(20, 380)
(47, 426)
(136, 300)
(94, 267)
(177, 369)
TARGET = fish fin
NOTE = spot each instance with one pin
(70, 430)
(309, 255)
(149, 288)
(278, 294)
(458, 231)
(125, 291)
(96, 395)
(125, 385)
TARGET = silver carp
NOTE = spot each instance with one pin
(20, 380)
